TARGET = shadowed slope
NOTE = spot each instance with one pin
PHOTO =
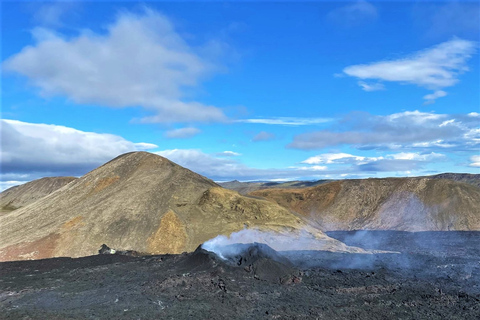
(138, 201)
(409, 204)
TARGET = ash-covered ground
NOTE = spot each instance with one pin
(436, 276)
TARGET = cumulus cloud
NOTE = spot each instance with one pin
(182, 133)
(434, 68)
(286, 121)
(475, 161)
(33, 150)
(354, 14)
(140, 61)
(409, 129)
(263, 136)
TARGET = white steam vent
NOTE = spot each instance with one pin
(279, 241)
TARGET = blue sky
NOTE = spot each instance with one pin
(242, 90)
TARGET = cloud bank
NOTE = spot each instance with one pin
(30, 151)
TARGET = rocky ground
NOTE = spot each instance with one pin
(436, 276)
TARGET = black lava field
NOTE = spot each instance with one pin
(427, 275)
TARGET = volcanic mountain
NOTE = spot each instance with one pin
(143, 202)
(20, 196)
(406, 204)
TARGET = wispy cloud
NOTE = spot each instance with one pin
(330, 158)
(286, 121)
(52, 14)
(409, 129)
(140, 61)
(353, 14)
(440, 19)
(434, 68)
(371, 86)
(182, 133)
(263, 136)
(228, 154)
(430, 98)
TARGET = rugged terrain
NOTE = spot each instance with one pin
(436, 279)
(20, 196)
(143, 202)
(411, 204)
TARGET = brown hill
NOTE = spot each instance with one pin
(20, 196)
(408, 204)
(138, 201)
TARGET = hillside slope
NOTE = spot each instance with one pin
(138, 201)
(20, 196)
(408, 204)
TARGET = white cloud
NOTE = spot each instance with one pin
(140, 61)
(329, 158)
(45, 149)
(395, 162)
(313, 168)
(415, 156)
(474, 114)
(263, 136)
(141, 146)
(228, 154)
(475, 161)
(286, 121)
(434, 68)
(409, 129)
(434, 96)
(4, 185)
(226, 168)
(371, 87)
(182, 133)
